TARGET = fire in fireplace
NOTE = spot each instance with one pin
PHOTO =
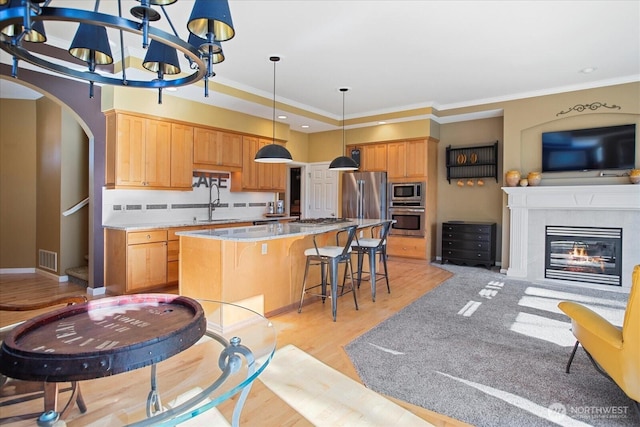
(584, 254)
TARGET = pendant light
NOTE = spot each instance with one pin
(273, 153)
(343, 163)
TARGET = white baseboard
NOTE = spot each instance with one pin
(96, 291)
(17, 270)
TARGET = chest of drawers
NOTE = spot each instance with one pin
(472, 243)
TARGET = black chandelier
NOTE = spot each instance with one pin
(22, 28)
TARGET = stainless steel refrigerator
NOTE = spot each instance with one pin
(364, 195)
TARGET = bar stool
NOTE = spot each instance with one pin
(372, 246)
(330, 257)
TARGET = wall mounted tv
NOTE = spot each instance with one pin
(612, 147)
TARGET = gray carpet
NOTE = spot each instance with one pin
(491, 351)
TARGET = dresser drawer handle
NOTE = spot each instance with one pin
(148, 236)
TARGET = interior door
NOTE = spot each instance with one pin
(323, 191)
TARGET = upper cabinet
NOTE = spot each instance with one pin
(373, 157)
(258, 176)
(181, 156)
(407, 159)
(217, 149)
(139, 154)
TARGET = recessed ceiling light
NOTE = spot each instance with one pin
(382, 123)
(588, 70)
(171, 89)
(282, 116)
(305, 126)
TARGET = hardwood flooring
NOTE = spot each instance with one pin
(312, 330)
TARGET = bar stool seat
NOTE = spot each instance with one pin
(329, 258)
(372, 246)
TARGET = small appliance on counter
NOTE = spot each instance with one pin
(270, 208)
(280, 207)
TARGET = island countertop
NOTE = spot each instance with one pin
(277, 230)
(190, 223)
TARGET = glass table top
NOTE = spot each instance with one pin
(140, 378)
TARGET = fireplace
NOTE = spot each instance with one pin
(532, 209)
(584, 254)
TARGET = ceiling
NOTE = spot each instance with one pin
(398, 56)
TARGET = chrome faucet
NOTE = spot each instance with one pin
(213, 204)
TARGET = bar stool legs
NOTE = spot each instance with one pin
(373, 274)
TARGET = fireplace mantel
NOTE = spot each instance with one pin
(532, 208)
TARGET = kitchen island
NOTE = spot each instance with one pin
(259, 267)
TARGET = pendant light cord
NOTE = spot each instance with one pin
(274, 59)
(344, 147)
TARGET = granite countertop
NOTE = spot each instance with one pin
(276, 230)
(187, 223)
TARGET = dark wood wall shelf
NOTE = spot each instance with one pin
(480, 161)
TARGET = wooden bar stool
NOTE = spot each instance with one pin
(329, 258)
(372, 246)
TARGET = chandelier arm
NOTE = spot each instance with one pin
(12, 15)
(124, 69)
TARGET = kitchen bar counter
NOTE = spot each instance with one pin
(191, 223)
(259, 267)
(276, 230)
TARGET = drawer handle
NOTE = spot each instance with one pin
(148, 236)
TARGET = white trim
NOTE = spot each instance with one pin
(17, 270)
(96, 291)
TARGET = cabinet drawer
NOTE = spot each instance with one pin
(466, 236)
(137, 237)
(466, 245)
(466, 228)
(466, 255)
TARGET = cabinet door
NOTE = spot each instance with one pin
(265, 170)
(250, 146)
(205, 146)
(158, 154)
(230, 149)
(396, 160)
(416, 158)
(130, 157)
(375, 157)
(181, 156)
(146, 265)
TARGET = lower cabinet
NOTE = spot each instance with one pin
(139, 261)
(471, 243)
(407, 247)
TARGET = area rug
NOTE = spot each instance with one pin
(326, 397)
(491, 351)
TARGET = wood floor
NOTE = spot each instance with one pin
(312, 330)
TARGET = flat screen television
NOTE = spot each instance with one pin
(612, 147)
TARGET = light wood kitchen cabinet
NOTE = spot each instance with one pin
(140, 153)
(181, 156)
(135, 261)
(216, 148)
(374, 157)
(146, 260)
(258, 176)
(407, 159)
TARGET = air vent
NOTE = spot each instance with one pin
(48, 260)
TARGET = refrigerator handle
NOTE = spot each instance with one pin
(360, 207)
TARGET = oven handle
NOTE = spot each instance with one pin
(402, 210)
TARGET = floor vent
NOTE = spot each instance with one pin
(48, 260)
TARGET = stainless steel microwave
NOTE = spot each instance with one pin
(407, 194)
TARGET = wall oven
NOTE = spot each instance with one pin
(409, 221)
(407, 208)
